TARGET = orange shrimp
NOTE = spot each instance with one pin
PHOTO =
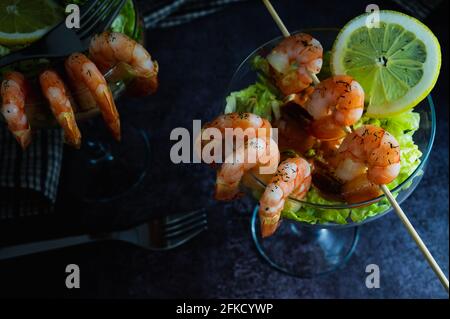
(293, 60)
(367, 157)
(251, 124)
(81, 69)
(335, 103)
(54, 90)
(293, 178)
(109, 48)
(256, 152)
(239, 120)
(14, 93)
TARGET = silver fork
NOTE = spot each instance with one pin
(164, 233)
(157, 234)
(60, 41)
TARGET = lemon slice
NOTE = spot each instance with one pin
(397, 63)
(24, 21)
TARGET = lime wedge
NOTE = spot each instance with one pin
(397, 63)
(24, 21)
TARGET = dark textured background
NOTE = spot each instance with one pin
(197, 61)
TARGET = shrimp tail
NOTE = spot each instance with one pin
(72, 135)
(112, 117)
(269, 225)
(226, 192)
(143, 86)
(23, 138)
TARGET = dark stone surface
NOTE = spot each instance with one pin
(197, 61)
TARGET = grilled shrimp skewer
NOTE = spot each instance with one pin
(293, 178)
(294, 60)
(109, 48)
(335, 103)
(81, 69)
(258, 150)
(54, 90)
(367, 158)
(14, 93)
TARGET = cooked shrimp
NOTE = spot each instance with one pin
(294, 60)
(109, 48)
(251, 124)
(367, 157)
(239, 120)
(335, 103)
(80, 68)
(256, 152)
(14, 93)
(54, 90)
(293, 178)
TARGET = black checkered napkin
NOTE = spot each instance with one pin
(29, 179)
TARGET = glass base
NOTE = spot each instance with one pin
(115, 168)
(305, 251)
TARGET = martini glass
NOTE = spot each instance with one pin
(309, 250)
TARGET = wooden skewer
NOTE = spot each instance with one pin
(415, 236)
(409, 227)
(276, 18)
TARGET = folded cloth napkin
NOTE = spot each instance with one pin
(419, 8)
(164, 14)
(29, 180)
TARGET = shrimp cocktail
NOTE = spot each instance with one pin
(43, 93)
(345, 118)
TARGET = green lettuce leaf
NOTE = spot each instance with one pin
(258, 98)
(125, 21)
(4, 50)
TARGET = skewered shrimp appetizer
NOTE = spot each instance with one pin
(109, 48)
(240, 120)
(81, 69)
(252, 125)
(335, 103)
(13, 93)
(54, 90)
(293, 178)
(258, 150)
(294, 60)
(367, 158)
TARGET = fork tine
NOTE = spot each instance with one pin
(174, 219)
(185, 223)
(103, 22)
(199, 225)
(108, 19)
(85, 9)
(183, 240)
(97, 12)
